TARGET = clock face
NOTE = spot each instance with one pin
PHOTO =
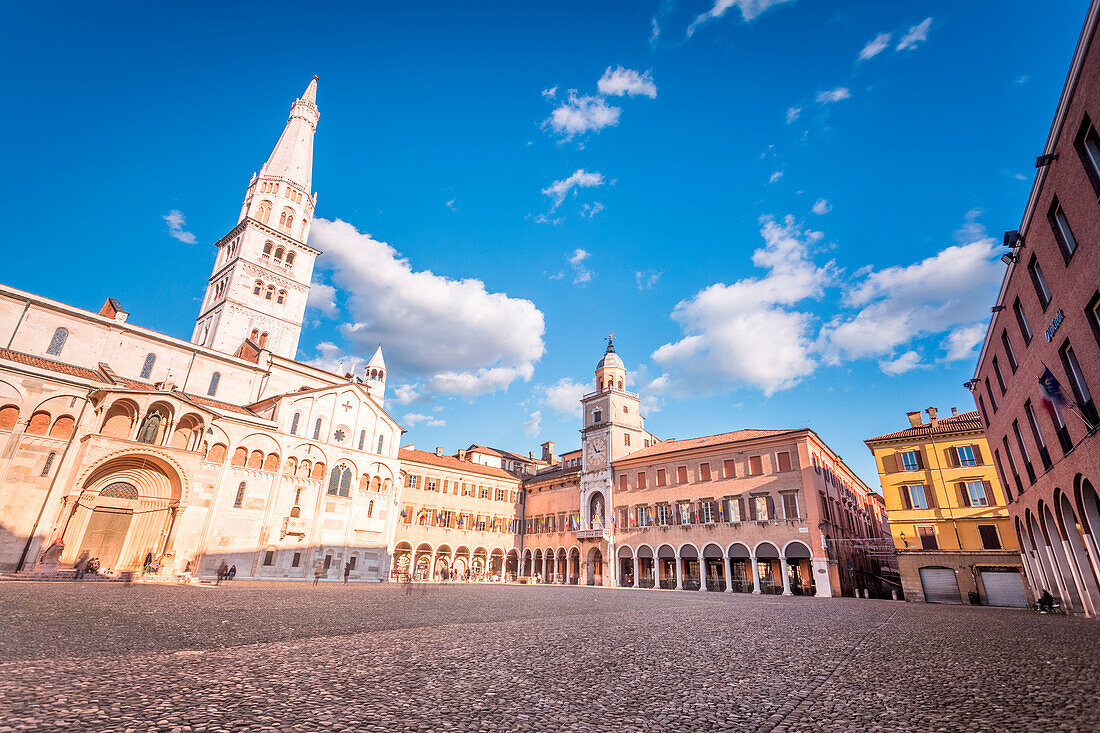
(597, 452)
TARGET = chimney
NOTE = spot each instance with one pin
(548, 452)
(462, 454)
(113, 309)
(915, 419)
(438, 451)
(954, 412)
(932, 416)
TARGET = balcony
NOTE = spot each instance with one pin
(594, 534)
(294, 526)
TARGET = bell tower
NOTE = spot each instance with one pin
(263, 267)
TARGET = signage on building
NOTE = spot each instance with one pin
(1053, 327)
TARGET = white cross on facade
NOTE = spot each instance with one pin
(347, 405)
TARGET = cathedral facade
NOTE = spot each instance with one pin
(168, 458)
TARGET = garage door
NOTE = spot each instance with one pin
(1003, 588)
(939, 585)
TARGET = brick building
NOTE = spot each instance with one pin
(1047, 316)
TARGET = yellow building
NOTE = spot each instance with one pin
(948, 513)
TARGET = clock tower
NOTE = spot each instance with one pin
(613, 427)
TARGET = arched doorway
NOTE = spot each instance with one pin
(124, 514)
(714, 571)
(478, 563)
(646, 567)
(767, 568)
(689, 566)
(740, 568)
(422, 563)
(442, 567)
(666, 567)
(462, 562)
(575, 566)
(511, 566)
(402, 560)
(800, 571)
(496, 565)
(595, 566)
(626, 567)
(562, 566)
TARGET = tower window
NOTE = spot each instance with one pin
(269, 293)
(362, 438)
(267, 249)
(147, 367)
(214, 379)
(317, 429)
(294, 423)
(380, 443)
(281, 297)
(279, 254)
(263, 212)
(289, 259)
(255, 335)
(258, 287)
(263, 340)
(57, 343)
(239, 499)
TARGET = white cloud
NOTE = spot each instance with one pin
(793, 113)
(961, 343)
(876, 46)
(550, 93)
(646, 279)
(590, 210)
(655, 34)
(828, 96)
(407, 394)
(1022, 79)
(749, 10)
(908, 361)
(322, 297)
(622, 81)
(563, 397)
(450, 204)
(176, 220)
(584, 114)
(775, 176)
(915, 35)
(581, 273)
(332, 359)
(415, 418)
(949, 289)
(461, 338)
(822, 206)
(580, 178)
(748, 333)
(532, 424)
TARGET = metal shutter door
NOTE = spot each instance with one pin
(1004, 588)
(939, 585)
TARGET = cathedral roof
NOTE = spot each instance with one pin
(376, 361)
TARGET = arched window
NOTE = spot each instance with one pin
(57, 343)
(258, 287)
(295, 512)
(279, 252)
(620, 384)
(601, 385)
(289, 259)
(317, 429)
(263, 340)
(216, 454)
(370, 508)
(339, 482)
(119, 490)
(362, 438)
(286, 219)
(62, 427)
(239, 499)
(263, 213)
(255, 335)
(240, 456)
(214, 379)
(48, 464)
(281, 297)
(269, 293)
(267, 249)
(9, 415)
(380, 439)
(294, 423)
(147, 367)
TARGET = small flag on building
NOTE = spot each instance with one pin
(1052, 394)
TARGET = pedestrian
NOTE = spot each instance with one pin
(81, 565)
(347, 571)
(317, 573)
(408, 584)
(232, 572)
(223, 571)
(1045, 602)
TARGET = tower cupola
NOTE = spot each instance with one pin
(375, 375)
(610, 372)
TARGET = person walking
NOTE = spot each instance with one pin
(317, 573)
(408, 584)
(347, 571)
(223, 571)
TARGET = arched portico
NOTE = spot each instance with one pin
(562, 566)
(511, 566)
(574, 566)
(689, 566)
(441, 567)
(422, 562)
(714, 571)
(1074, 546)
(402, 560)
(646, 567)
(668, 574)
(126, 512)
(798, 569)
(741, 570)
(461, 561)
(768, 577)
(496, 565)
(627, 574)
(595, 566)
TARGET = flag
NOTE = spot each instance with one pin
(1053, 397)
(404, 515)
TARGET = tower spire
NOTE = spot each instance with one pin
(292, 158)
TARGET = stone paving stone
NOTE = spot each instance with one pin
(290, 657)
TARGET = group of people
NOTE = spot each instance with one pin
(453, 574)
(226, 572)
(84, 565)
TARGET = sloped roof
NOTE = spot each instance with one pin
(452, 463)
(961, 423)
(672, 446)
(50, 365)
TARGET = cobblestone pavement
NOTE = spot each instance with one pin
(286, 657)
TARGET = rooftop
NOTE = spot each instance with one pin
(451, 462)
(672, 445)
(961, 423)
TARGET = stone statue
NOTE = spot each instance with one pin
(150, 429)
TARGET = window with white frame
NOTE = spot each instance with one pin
(975, 491)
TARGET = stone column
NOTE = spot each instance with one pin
(755, 575)
(822, 586)
(637, 578)
(786, 577)
(1057, 572)
(702, 574)
(679, 572)
(727, 567)
(1078, 579)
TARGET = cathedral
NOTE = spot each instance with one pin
(163, 459)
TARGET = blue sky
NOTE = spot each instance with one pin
(786, 211)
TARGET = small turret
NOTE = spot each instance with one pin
(610, 372)
(375, 375)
